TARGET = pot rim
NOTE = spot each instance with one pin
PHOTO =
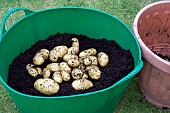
(149, 55)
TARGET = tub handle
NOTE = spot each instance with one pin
(3, 29)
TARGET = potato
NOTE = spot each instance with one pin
(82, 84)
(54, 67)
(67, 57)
(46, 72)
(39, 70)
(88, 52)
(60, 50)
(73, 50)
(53, 56)
(57, 77)
(73, 63)
(76, 73)
(44, 53)
(38, 59)
(65, 67)
(28, 66)
(75, 42)
(87, 61)
(94, 60)
(33, 72)
(75, 47)
(94, 73)
(103, 59)
(46, 86)
(65, 76)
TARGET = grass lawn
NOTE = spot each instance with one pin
(132, 101)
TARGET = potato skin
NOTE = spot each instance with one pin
(103, 59)
(57, 77)
(82, 84)
(77, 73)
(53, 67)
(33, 72)
(46, 86)
(88, 52)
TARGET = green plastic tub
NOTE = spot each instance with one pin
(36, 25)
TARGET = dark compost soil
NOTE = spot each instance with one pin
(120, 64)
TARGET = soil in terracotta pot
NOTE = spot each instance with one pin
(120, 64)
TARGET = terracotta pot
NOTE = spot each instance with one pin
(152, 29)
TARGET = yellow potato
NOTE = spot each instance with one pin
(46, 72)
(65, 76)
(103, 59)
(33, 72)
(57, 77)
(53, 56)
(53, 67)
(38, 59)
(94, 73)
(73, 63)
(65, 67)
(82, 84)
(46, 86)
(77, 73)
(60, 50)
(88, 52)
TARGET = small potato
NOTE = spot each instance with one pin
(82, 84)
(94, 73)
(53, 56)
(73, 50)
(39, 70)
(60, 50)
(76, 73)
(28, 66)
(65, 67)
(54, 67)
(57, 77)
(46, 72)
(103, 59)
(75, 42)
(87, 61)
(65, 76)
(75, 47)
(46, 86)
(88, 52)
(73, 63)
(38, 59)
(44, 53)
(94, 60)
(67, 57)
(33, 72)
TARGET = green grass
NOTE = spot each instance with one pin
(132, 101)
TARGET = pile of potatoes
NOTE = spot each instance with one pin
(78, 66)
